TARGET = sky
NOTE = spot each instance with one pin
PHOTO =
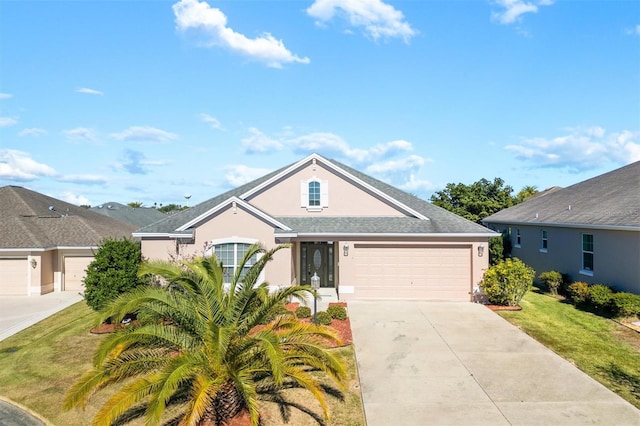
(156, 101)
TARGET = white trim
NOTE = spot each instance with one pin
(585, 272)
(383, 234)
(162, 234)
(543, 250)
(239, 203)
(585, 226)
(337, 169)
(45, 249)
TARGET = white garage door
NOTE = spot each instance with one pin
(412, 272)
(74, 272)
(14, 274)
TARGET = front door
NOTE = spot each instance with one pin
(317, 258)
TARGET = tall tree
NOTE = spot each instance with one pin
(525, 193)
(197, 346)
(135, 204)
(475, 201)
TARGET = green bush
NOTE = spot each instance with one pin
(507, 282)
(579, 292)
(600, 296)
(323, 318)
(626, 304)
(337, 312)
(303, 312)
(278, 310)
(113, 271)
(552, 279)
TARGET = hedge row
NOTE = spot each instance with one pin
(602, 298)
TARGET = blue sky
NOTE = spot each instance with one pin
(151, 100)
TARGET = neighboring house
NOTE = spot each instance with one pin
(589, 231)
(138, 216)
(360, 236)
(46, 244)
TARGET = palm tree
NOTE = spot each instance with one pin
(195, 343)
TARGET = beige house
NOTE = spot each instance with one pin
(360, 236)
(589, 231)
(46, 244)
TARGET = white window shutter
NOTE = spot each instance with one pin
(304, 193)
(324, 193)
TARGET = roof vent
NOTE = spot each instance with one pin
(569, 207)
(51, 208)
(536, 215)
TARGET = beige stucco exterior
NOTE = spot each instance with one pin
(345, 199)
(406, 265)
(44, 269)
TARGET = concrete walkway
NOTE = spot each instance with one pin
(20, 312)
(439, 363)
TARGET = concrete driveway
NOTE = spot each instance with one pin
(439, 363)
(20, 312)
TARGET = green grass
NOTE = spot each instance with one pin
(39, 365)
(605, 350)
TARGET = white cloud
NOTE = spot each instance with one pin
(7, 122)
(18, 165)
(32, 131)
(195, 15)
(258, 142)
(236, 175)
(88, 91)
(136, 162)
(144, 134)
(633, 31)
(581, 149)
(6, 96)
(328, 144)
(512, 10)
(212, 121)
(84, 179)
(414, 184)
(76, 199)
(379, 20)
(80, 134)
(393, 166)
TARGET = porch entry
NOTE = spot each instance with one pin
(318, 258)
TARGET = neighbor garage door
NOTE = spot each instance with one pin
(14, 274)
(412, 272)
(75, 271)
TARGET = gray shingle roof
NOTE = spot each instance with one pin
(140, 216)
(611, 199)
(441, 221)
(27, 222)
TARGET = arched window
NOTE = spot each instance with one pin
(314, 193)
(231, 255)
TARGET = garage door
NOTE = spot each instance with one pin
(75, 271)
(412, 272)
(14, 275)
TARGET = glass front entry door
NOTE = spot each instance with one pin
(317, 258)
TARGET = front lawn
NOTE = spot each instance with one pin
(605, 350)
(39, 364)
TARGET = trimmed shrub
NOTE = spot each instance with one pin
(337, 312)
(323, 318)
(303, 312)
(600, 296)
(278, 310)
(579, 292)
(626, 304)
(552, 279)
(113, 271)
(507, 282)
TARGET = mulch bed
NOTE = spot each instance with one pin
(342, 326)
(503, 308)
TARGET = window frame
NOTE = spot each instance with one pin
(518, 239)
(211, 250)
(544, 241)
(322, 194)
(583, 269)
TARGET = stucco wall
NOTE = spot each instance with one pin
(345, 199)
(46, 272)
(616, 254)
(227, 226)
